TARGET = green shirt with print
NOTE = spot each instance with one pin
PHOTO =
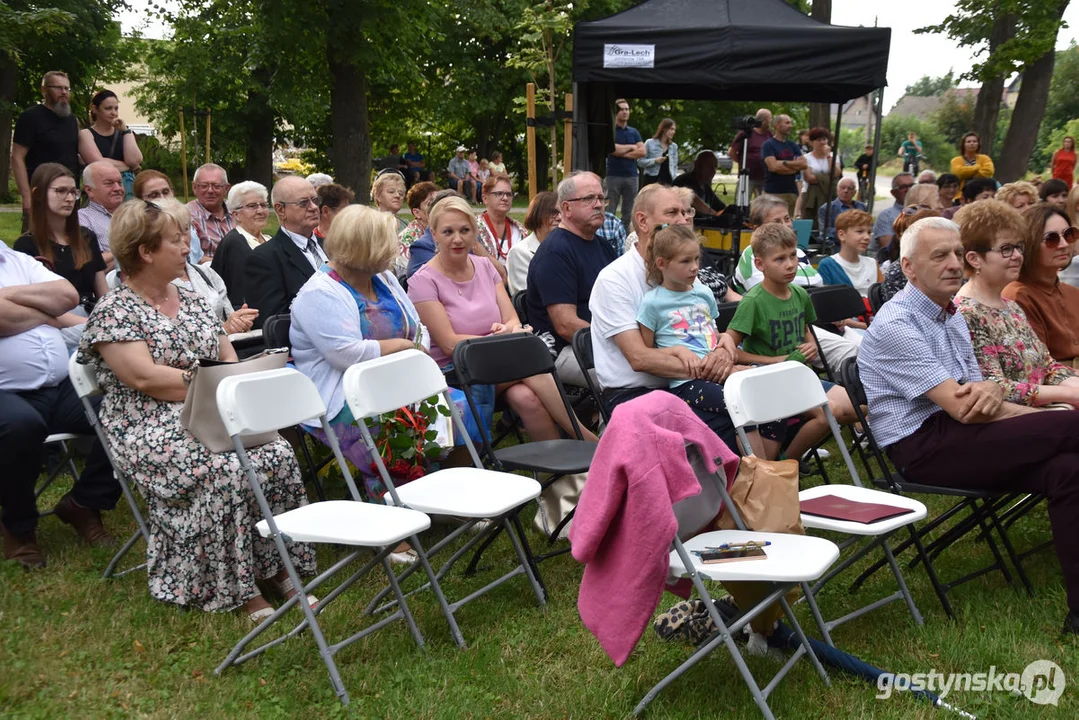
(770, 326)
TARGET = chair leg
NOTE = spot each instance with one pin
(525, 558)
(110, 571)
(402, 603)
(902, 584)
(310, 464)
(455, 631)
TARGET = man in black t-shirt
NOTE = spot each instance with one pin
(45, 133)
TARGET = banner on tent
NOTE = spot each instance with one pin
(617, 55)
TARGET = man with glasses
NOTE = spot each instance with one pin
(210, 217)
(45, 133)
(882, 229)
(622, 176)
(105, 189)
(565, 266)
(277, 269)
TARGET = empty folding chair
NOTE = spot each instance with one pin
(274, 399)
(766, 394)
(499, 359)
(394, 381)
(85, 384)
(979, 506)
(791, 560)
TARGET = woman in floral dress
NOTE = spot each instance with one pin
(1008, 351)
(143, 340)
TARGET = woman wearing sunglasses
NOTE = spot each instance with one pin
(1008, 351)
(1052, 307)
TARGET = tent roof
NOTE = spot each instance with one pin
(729, 50)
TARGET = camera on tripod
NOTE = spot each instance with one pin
(745, 123)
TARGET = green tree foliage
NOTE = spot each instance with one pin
(937, 150)
(1062, 107)
(929, 86)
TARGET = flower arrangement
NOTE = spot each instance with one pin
(405, 439)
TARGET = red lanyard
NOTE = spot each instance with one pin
(506, 233)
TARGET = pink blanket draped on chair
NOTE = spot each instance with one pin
(625, 524)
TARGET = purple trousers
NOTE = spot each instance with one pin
(1036, 453)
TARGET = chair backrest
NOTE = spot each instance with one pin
(275, 330)
(852, 382)
(501, 358)
(803, 229)
(582, 351)
(391, 382)
(876, 297)
(268, 400)
(520, 306)
(772, 392)
(726, 314)
(695, 513)
(82, 377)
(837, 302)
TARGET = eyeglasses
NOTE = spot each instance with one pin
(255, 206)
(67, 192)
(1070, 235)
(501, 194)
(689, 212)
(1007, 250)
(588, 199)
(60, 88)
(305, 203)
(157, 194)
(217, 187)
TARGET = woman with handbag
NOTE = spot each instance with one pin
(109, 138)
(144, 340)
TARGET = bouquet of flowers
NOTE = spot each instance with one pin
(405, 439)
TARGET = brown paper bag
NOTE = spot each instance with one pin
(765, 492)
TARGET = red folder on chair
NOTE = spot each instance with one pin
(838, 508)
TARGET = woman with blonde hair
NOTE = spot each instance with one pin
(1020, 195)
(144, 341)
(388, 194)
(460, 296)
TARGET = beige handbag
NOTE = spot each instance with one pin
(200, 416)
(766, 495)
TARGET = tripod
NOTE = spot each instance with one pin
(740, 210)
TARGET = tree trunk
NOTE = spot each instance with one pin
(9, 87)
(987, 108)
(820, 114)
(351, 149)
(258, 161)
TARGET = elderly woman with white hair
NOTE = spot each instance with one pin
(250, 206)
(388, 194)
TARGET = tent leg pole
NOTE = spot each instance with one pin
(876, 151)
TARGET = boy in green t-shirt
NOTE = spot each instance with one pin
(772, 325)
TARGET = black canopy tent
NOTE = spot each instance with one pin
(714, 50)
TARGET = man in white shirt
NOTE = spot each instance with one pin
(625, 366)
(277, 269)
(36, 399)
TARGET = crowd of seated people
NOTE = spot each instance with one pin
(341, 270)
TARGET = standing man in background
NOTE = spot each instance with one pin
(783, 160)
(753, 161)
(45, 133)
(622, 163)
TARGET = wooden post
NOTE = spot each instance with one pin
(183, 153)
(567, 137)
(530, 134)
(208, 112)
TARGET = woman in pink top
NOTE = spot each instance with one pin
(459, 296)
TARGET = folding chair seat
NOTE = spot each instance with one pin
(275, 399)
(772, 392)
(505, 358)
(792, 560)
(980, 508)
(85, 384)
(377, 386)
(275, 332)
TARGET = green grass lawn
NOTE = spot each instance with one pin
(75, 645)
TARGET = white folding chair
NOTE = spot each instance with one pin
(275, 399)
(791, 560)
(394, 381)
(86, 387)
(773, 392)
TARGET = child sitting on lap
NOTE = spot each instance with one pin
(772, 325)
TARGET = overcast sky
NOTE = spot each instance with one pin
(911, 57)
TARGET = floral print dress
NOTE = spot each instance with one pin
(1009, 352)
(203, 550)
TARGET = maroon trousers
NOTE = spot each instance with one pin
(1035, 453)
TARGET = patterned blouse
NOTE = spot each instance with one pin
(1008, 351)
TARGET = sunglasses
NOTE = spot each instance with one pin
(1070, 235)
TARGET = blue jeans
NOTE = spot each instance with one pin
(624, 188)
